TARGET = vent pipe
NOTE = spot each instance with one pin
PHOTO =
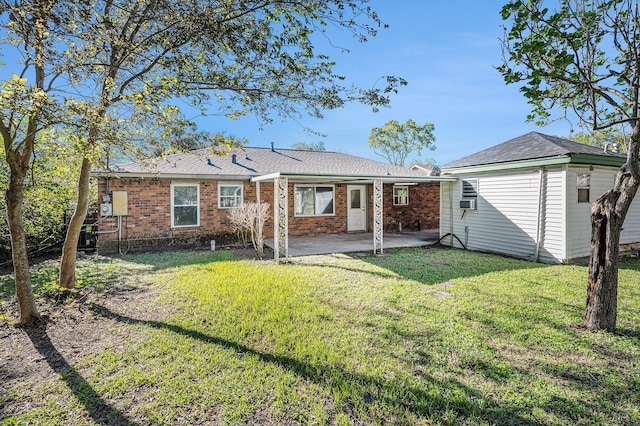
(273, 149)
(233, 159)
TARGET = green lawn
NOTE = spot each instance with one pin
(418, 336)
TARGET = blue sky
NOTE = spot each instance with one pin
(448, 51)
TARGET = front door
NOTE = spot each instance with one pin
(356, 208)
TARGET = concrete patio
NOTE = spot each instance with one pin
(356, 242)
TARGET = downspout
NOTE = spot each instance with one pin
(539, 216)
(450, 214)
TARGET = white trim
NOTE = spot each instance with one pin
(270, 176)
(355, 179)
(230, 184)
(406, 187)
(197, 185)
(583, 187)
(364, 208)
(314, 186)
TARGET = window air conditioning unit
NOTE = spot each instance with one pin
(468, 204)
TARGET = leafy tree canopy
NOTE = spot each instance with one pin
(581, 59)
(609, 141)
(395, 141)
(312, 146)
(114, 72)
(48, 194)
(183, 140)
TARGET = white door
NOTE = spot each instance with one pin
(356, 208)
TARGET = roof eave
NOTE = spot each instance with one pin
(598, 160)
(536, 162)
(592, 159)
(182, 176)
(333, 177)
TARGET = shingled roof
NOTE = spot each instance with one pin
(251, 162)
(530, 146)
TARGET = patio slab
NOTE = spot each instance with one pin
(356, 242)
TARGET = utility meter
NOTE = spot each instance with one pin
(106, 209)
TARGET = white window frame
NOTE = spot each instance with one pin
(475, 184)
(405, 187)
(234, 185)
(583, 186)
(333, 192)
(173, 205)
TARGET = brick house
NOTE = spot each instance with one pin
(183, 200)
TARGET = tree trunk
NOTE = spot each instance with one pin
(602, 285)
(607, 217)
(24, 290)
(70, 247)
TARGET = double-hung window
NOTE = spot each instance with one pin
(185, 204)
(229, 195)
(400, 195)
(314, 200)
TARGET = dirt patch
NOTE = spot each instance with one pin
(71, 329)
(442, 295)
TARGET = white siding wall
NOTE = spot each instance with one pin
(506, 218)
(579, 214)
(631, 228)
(554, 217)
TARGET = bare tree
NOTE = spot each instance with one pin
(249, 220)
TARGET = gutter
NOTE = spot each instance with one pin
(384, 178)
(167, 176)
(271, 176)
(591, 159)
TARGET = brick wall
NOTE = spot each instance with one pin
(422, 212)
(148, 223)
(317, 225)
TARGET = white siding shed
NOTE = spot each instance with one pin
(534, 196)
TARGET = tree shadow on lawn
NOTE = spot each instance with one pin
(97, 408)
(632, 333)
(97, 273)
(101, 272)
(398, 394)
(158, 261)
(429, 265)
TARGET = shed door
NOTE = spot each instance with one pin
(356, 208)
